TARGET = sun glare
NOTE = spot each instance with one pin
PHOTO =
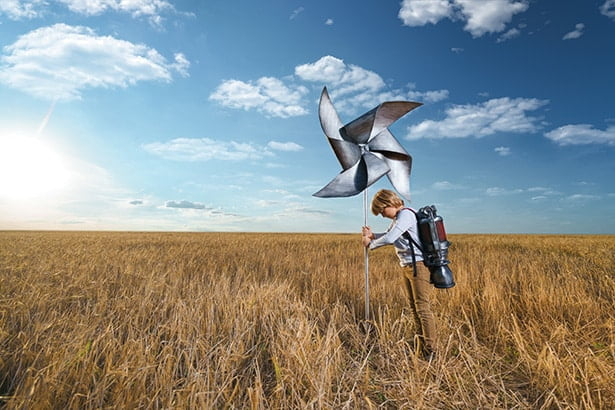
(29, 168)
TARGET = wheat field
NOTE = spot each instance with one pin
(230, 320)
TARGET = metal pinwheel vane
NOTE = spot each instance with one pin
(367, 151)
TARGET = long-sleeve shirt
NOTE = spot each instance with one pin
(404, 221)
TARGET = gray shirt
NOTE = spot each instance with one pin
(405, 221)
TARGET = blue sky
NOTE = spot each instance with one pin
(202, 115)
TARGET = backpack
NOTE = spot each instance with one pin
(434, 246)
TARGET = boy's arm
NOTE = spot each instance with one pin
(400, 225)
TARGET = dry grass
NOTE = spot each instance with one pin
(169, 320)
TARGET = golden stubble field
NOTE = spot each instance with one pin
(230, 320)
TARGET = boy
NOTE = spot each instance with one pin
(388, 204)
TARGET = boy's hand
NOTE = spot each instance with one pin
(367, 232)
(366, 240)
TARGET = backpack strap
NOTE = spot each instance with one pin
(413, 242)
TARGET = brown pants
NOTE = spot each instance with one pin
(419, 290)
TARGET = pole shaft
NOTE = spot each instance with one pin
(366, 252)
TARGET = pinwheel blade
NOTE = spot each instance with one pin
(386, 142)
(389, 112)
(397, 159)
(367, 126)
(354, 180)
(329, 120)
(399, 175)
(347, 153)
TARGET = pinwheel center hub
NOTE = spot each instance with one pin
(364, 148)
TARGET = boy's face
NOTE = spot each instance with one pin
(389, 212)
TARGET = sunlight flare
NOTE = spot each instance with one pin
(29, 168)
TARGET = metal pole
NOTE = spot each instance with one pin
(366, 251)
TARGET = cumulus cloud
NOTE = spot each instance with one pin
(489, 16)
(284, 146)
(421, 12)
(581, 134)
(20, 9)
(354, 86)
(608, 9)
(268, 95)
(329, 22)
(427, 96)
(480, 16)
(152, 9)
(481, 120)
(345, 78)
(184, 205)
(134, 7)
(59, 62)
(206, 149)
(576, 33)
(503, 151)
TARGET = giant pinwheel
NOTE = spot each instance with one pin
(367, 150)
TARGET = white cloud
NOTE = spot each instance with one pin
(576, 33)
(502, 151)
(608, 9)
(18, 9)
(489, 16)
(580, 134)
(480, 120)
(421, 12)
(510, 34)
(268, 95)
(134, 7)
(345, 78)
(61, 61)
(205, 149)
(353, 86)
(480, 16)
(329, 22)
(428, 96)
(296, 12)
(284, 146)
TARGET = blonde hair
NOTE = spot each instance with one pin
(384, 198)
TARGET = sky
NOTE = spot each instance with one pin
(169, 115)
